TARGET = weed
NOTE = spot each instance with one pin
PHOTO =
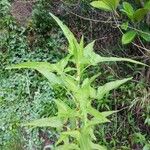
(75, 123)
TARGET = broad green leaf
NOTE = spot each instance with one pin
(102, 90)
(107, 5)
(68, 34)
(101, 5)
(128, 37)
(44, 68)
(140, 14)
(145, 36)
(54, 122)
(128, 9)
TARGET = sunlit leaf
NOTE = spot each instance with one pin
(94, 58)
(44, 68)
(100, 115)
(113, 4)
(96, 121)
(85, 139)
(102, 90)
(64, 110)
(101, 5)
(91, 131)
(60, 66)
(107, 113)
(107, 5)
(73, 133)
(128, 37)
(70, 83)
(128, 9)
(99, 59)
(62, 138)
(68, 34)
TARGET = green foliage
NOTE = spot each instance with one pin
(107, 5)
(128, 37)
(140, 138)
(75, 123)
(134, 21)
(16, 90)
(40, 21)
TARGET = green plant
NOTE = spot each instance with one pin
(140, 138)
(134, 21)
(76, 116)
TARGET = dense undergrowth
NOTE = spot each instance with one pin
(26, 95)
